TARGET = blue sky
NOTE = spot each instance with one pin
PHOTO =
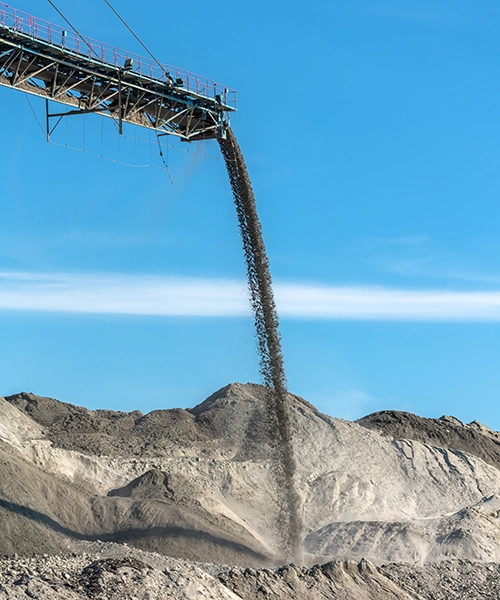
(371, 133)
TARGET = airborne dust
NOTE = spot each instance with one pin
(269, 345)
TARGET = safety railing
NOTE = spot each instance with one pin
(70, 41)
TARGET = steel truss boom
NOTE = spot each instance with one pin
(45, 60)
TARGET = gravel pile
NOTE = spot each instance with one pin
(394, 506)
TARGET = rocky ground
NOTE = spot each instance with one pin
(126, 505)
(108, 571)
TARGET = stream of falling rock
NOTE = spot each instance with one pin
(269, 346)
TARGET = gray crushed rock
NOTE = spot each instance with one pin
(347, 580)
(111, 432)
(461, 579)
(118, 572)
(446, 432)
(98, 577)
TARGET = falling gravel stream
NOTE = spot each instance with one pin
(269, 344)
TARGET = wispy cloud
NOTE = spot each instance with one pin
(198, 297)
(122, 294)
(385, 303)
(419, 256)
(35, 251)
(78, 238)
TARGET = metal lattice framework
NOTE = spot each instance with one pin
(92, 77)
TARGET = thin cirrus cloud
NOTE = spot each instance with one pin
(420, 256)
(150, 295)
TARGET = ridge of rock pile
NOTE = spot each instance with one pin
(445, 432)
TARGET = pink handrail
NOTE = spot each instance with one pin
(110, 55)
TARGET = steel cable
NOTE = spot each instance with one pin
(73, 28)
(135, 35)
